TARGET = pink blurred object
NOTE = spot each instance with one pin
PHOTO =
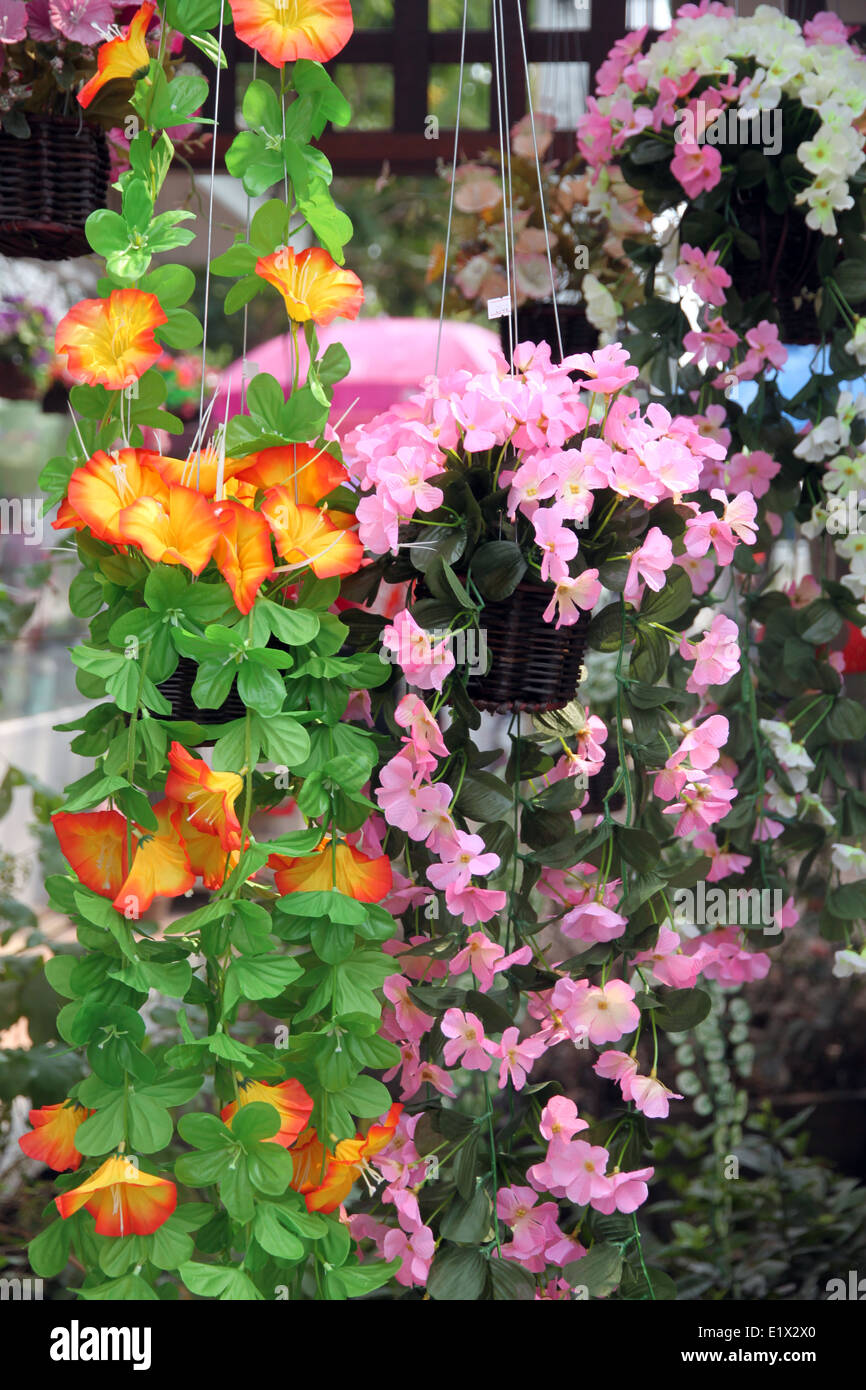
(390, 358)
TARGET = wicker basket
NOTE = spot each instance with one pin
(177, 689)
(534, 666)
(49, 186)
(537, 324)
(788, 265)
(16, 385)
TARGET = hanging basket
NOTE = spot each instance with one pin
(16, 384)
(177, 689)
(537, 324)
(49, 186)
(533, 665)
(786, 267)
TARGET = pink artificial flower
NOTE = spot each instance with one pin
(81, 22)
(697, 167)
(572, 595)
(518, 1057)
(592, 921)
(716, 655)
(435, 824)
(626, 1192)
(764, 340)
(557, 544)
(702, 803)
(426, 1074)
(703, 272)
(580, 1168)
(651, 1097)
(412, 1020)
(486, 958)
(618, 1067)
(712, 344)
(467, 1040)
(702, 744)
(483, 421)
(474, 904)
(423, 663)
(529, 1223)
(404, 479)
(398, 790)
(379, 523)
(560, 1120)
(670, 965)
(462, 857)
(608, 369)
(752, 472)
(607, 1012)
(416, 1252)
(13, 21)
(649, 562)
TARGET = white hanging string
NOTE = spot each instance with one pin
(453, 181)
(538, 174)
(216, 103)
(506, 175)
(247, 306)
(500, 83)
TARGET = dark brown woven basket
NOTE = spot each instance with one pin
(536, 323)
(177, 689)
(788, 265)
(16, 385)
(49, 186)
(533, 665)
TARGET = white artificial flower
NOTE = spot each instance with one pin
(849, 963)
(857, 344)
(825, 438)
(845, 474)
(848, 857)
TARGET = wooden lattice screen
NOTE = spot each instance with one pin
(410, 49)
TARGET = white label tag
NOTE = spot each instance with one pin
(498, 308)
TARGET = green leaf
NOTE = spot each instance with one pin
(671, 601)
(599, 1271)
(849, 901)
(850, 277)
(255, 1122)
(224, 1282)
(510, 1282)
(272, 1234)
(457, 1275)
(681, 1009)
(366, 1097)
(259, 977)
(48, 1254)
(497, 568)
(468, 1222)
(484, 797)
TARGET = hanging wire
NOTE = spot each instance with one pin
(247, 306)
(500, 82)
(507, 176)
(216, 104)
(453, 181)
(538, 174)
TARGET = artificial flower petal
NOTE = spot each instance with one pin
(109, 342)
(313, 286)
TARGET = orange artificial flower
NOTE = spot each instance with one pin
(199, 471)
(325, 1180)
(180, 531)
(207, 858)
(309, 474)
(357, 875)
(306, 536)
(52, 1139)
(109, 342)
(124, 1200)
(209, 796)
(95, 844)
(285, 30)
(160, 866)
(126, 56)
(99, 491)
(313, 286)
(243, 552)
(291, 1102)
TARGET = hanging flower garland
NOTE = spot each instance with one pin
(747, 135)
(221, 570)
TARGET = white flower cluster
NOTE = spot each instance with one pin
(828, 77)
(841, 516)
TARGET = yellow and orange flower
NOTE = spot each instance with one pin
(313, 286)
(126, 56)
(160, 865)
(350, 871)
(208, 796)
(95, 844)
(290, 1100)
(180, 531)
(285, 30)
(350, 1160)
(199, 471)
(52, 1138)
(306, 536)
(106, 484)
(243, 552)
(309, 474)
(124, 1199)
(109, 342)
(207, 858)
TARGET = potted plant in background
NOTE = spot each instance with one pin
(588, 227)
(26, 348)
(61, 89)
